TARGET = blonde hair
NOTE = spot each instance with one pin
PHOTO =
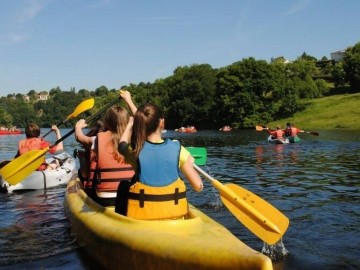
(115, 121)
(146, 121)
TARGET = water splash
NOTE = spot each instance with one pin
(276, 252)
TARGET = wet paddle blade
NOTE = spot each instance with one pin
(19, 168)
(314, 133)
(260, 217)
(199, 154)
(82, 107)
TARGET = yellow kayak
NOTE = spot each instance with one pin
(119, 242)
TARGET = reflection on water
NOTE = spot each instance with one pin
(34, 227)
(315, 183)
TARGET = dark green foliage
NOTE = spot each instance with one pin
(352, 66)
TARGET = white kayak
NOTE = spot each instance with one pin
(272, 139)
(45, 179)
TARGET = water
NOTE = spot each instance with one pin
(315, 183)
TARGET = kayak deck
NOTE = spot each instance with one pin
(119, 242)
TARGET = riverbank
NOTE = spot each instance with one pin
(332, 112)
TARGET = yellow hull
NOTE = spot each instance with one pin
(119, 242)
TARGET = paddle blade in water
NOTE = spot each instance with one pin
(19, 168)
(199, 154)
(260, 217)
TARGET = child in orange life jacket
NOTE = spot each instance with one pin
(295, 131)
(158, 192)
(278, 133)
(33, 142)
(107, 165)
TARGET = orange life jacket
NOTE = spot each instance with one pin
(29, 144)
(105, 171)
(294, 131)
(279, 134)
(153, 203)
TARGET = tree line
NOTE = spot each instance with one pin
(241, 95)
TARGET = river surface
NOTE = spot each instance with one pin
(315, 183)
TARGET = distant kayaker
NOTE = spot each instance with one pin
(287, 130)
(295, 131)
(34, 142)
(158, 191)
(107, 166)
(278, 133)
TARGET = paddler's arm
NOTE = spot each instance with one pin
(60, 145)
(80, 137)
(127, 97)
(124, 147)
(187, 168)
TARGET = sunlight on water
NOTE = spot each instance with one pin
(276, 252)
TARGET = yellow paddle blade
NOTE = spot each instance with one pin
(259, 128)
(260, 217)
(82, 107)
(19, 168)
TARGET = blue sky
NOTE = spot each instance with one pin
(89, 43)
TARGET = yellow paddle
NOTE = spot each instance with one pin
(261, 128)
(260, 217)
(19, 168)
(82, 107)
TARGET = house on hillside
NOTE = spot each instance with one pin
(337, 56)
(42, 96)
(26, 98)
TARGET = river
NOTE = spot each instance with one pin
(315, 183)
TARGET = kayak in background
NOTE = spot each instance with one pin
(226, 129)
(274, 140)
(189, 129)
(294, 139)
(11, 132)
(47, 178)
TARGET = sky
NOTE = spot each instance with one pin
(85, 44)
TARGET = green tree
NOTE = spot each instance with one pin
(5, 118)
(338, 74)
(352, 66)
(191, 92)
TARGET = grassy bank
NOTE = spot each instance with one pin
(332, 112)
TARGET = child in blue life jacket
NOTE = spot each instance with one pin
(158, 192)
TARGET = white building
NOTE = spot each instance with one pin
(337, 56)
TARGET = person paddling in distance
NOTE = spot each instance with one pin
(158, 191)
(107, 166)
(287, 130)
(34, 142)
(278, 133)
(294, 133)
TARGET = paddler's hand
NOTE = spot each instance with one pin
(81, 124)
(125, 95)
